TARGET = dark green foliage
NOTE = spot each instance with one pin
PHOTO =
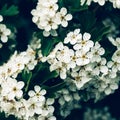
(9, 11)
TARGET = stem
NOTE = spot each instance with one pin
(27, 86)
(28, 82)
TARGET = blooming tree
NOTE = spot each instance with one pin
(57, 56)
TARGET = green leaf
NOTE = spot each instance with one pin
(72, 3)
(99, 32)
(57, 87)
(81, 8)
(48, 75)
(9, 11)
(53, 89)
(87, 20)
(26, 76)
(42, 74)
(60, 2)
(48, 45)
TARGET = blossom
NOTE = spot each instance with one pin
(80, 78)
(73, 37)
(116, 56)
(114, 65)
(34, 107)
(12, 89)
(61, 68)
(83, 58)
(62, 17)
(116, 3)
(4, 33)
(1, 18)
(96, 114)
(88, 2)
(100, 67)
(115, 42)
(85, 43)
(38, 94)
(100, 2)
(97, 51)
(47, 17)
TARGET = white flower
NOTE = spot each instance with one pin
(61, 68)
(31, 65)
(116, 56)
(38, 94)
(83, 58)
(110, 85)
(72, 63)
(34, 107)
(115, 42)
(64, 54)
(80, 78)
(97, 52)
(12, 88)
(51, 9)
(48, 23)
(1, 18)
(100, 2)
(51, 32)
(73, 37)
(35, 43)
(85, 43)
(48, 117)
(115, 66)
(116, 3)
(10, 107)
(62, 17)
(100, 67)
(4, 33)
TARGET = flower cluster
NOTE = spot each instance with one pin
(48, 18)
(84, 71)
(116, 3)
(83, 53)
(84, 65)
(68, 98)
(18, 62)
(97, 114)
(4, 32)
(12, 100)
(88, 2)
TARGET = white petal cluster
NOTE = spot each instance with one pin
(83, 64)
(78, 61)
(4, 32)
(63, 58)
(11, 93)
(47, 17)
(114, 64)
(97, 114)
(1, 18)
(37, 104)
(116, 3)
(115, 42)
(88, 2)
(68, 98)
(18, 62)
(106, 75)
(12, 89)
